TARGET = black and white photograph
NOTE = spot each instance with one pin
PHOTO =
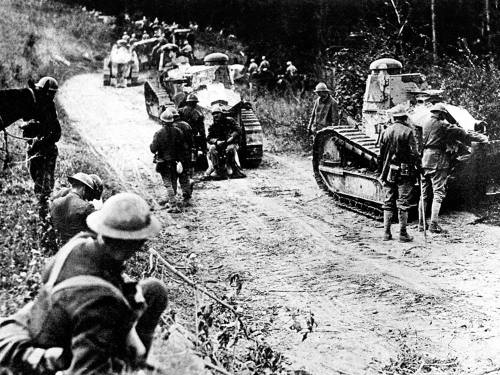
(249, 187)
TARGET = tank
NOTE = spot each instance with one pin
(346, 157)
(213, 83)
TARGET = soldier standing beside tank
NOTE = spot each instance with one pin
(325, 110)
(398, 171)
(186, 157)
(436, 134)
(223, 138)
(45, 132)
(192, 114)
(167, 146)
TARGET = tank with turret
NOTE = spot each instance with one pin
(213, 83)
(346, 157)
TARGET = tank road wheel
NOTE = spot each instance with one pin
(251, 148)
(152, 103)
(325, 152)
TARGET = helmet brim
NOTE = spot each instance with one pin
(95, 222)
(72, 180)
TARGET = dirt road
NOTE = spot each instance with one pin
(299, 254)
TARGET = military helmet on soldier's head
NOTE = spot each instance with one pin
(124, 216)
(174, 112)
(192, 98)
(48, 83)
(398, 111)
(321, 87)
(81, 178)
(216, 109)
(439, 107)
(167, 116)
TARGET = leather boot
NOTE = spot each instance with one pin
(403, 221)
(434, 226)
(421, 220)
(387, 225)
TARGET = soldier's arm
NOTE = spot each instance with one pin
(235, 132)
(100, 328)
(54, 133)
(412, 143)
(211, 137)
(456, 133)
(154, 145)
(313, 116)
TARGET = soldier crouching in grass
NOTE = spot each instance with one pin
(87, 319)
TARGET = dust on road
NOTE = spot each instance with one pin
(299, 255)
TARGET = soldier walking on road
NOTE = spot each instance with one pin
(325, 110)
(436, 134)
(186, 157)
(87, 319)
(45, 132)
(167, 146)
(69, 212)
(398, 171)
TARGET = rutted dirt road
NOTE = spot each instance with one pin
(299, 253)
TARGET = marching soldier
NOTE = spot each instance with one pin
(87, 319)
(45, 132)
(398, 171)
(223, 137)
(325, 110)
(186, 156)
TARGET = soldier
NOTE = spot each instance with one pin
(186, 156)
(291, 70)
(436, 134)
(223, 137)
(45, 132)
(193, 115)
(87, 319)
(253, 68)
(325, 110)
(398, 171)
(167, 146)
(69, 212)
(264, 64)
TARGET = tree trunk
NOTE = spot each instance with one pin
(433, 22)
(487, 23)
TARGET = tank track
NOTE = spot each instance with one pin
(354, 140)
(252, 128)
(156, 96)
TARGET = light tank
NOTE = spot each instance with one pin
(213, 83)
(346, 157)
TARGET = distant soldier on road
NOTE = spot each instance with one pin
(87, 319)
(398, 171)
(223, 138)
(253, 68)
(264, 64)
(45, 132)
(291, 70)
(69, 212)
(437, 133)
(167, 146)
(325, 110)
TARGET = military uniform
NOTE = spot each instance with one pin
(223, 138)
(68, 214)
(325, 113)
(43, 151)
(186, 158)
(194, 117)
(167, 145)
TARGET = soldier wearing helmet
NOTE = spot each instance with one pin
(398, 171)
(69, 212)
(44, 131)
(193, 115)
(223, 138)
(325, 110)
(186, 156)
(253, 68)
(87, 318)
(167, 145)
(264, 64)
(291, 70)
(438, 131)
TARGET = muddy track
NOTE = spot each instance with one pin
(300, 254)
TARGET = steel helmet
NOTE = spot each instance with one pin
(288, 63)
(252, 60)
(186, 42)
(263, 57)
(321, 87)
(174, 112)
(124, 216)
(121, 42)
(192, 98)
(398, 111)
(439, 107)
(216, 109)
(83, 179)
(167, 116)
(98, 186)
(48, 82)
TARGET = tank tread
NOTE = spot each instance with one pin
(360, 142)
(253, 138)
